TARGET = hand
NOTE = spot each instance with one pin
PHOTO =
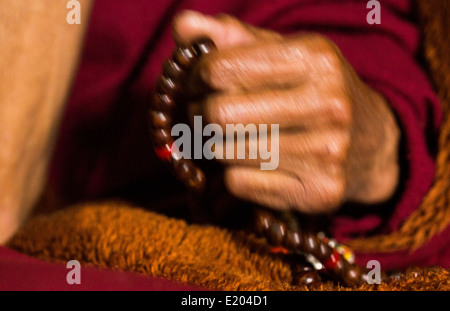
(338, 138)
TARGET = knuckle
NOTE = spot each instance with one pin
(331, 195)
(335, 149)
(321, 195)
(341, 109)
(329, 55)
(333, 62)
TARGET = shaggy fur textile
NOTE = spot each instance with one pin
(121, 236)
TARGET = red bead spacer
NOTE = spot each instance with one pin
(279, 250)
(164, 152)
(331, 263)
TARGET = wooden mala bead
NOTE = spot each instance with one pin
(170, 88)
(282, 231)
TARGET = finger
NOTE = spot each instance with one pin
(271, 63)
(305, 106)
(291, 150)
(302, 166)
(312, 194)
(224, 30)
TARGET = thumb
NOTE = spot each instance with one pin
(224, 30)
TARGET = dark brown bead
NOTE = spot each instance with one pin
(161, 136)
(294, 240)
(185, 56)
(306, 278)
(324, 252)
(290, 219)
(189, 174)
(172, 70)
(311, 243)
(197, 180)
(339, 267)
(184, 168)
(204, 46)
(305, 268)
(159, 119)
(352, 275)
(163, 102)
(262, 222)
(276, 233)
(168, 86)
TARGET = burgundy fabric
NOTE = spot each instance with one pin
(20, 272)
(104, 145)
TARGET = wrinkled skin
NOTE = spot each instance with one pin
(338, 138)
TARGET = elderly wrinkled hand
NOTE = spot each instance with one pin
(338, 138)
